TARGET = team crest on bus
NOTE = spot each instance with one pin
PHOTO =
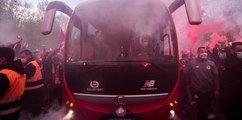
(120, 112)
(208, 67)
(94, 84)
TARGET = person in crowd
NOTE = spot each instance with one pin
(37, 56)
(15, 44)
(12, 83)
(184, 77)
(52, 76)
(203, 83)
(100, 46)
(215, 53)
(228, 49)
(222, 56)
(57, 78)
(231, 86)
(208, 48)
(34, 87)
(144, 47)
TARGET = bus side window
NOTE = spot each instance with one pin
(167, 40)
(73, 45)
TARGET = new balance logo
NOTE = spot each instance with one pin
(149, 83)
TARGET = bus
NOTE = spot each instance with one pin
(121, 58)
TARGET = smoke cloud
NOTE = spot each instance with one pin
(56, 112)
(195, 32)
(141, 21)
(8, 31)
(219, 16)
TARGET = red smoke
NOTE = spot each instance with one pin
(216, 38)
(194, 32)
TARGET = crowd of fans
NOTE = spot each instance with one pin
(39, 74)
(212, 80)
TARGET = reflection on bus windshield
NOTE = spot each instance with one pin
(150, 42)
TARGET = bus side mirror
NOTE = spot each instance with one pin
(192, 9)
(193, 12)
(48, 20)
(49, 15)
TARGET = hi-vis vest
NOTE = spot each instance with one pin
(11, 102)
(36, 81)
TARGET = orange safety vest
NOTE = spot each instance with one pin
(36, 81)
(15, 92)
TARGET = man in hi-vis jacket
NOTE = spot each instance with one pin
(34, 87)
(12, 84)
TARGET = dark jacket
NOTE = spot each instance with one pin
(204, 75)
(231, 86)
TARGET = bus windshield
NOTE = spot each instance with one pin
(132, 45)
(113, 35)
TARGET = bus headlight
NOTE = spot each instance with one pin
(172, 114)
(69, 104)
(174, 110)
(173, 104)
(69, 115)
